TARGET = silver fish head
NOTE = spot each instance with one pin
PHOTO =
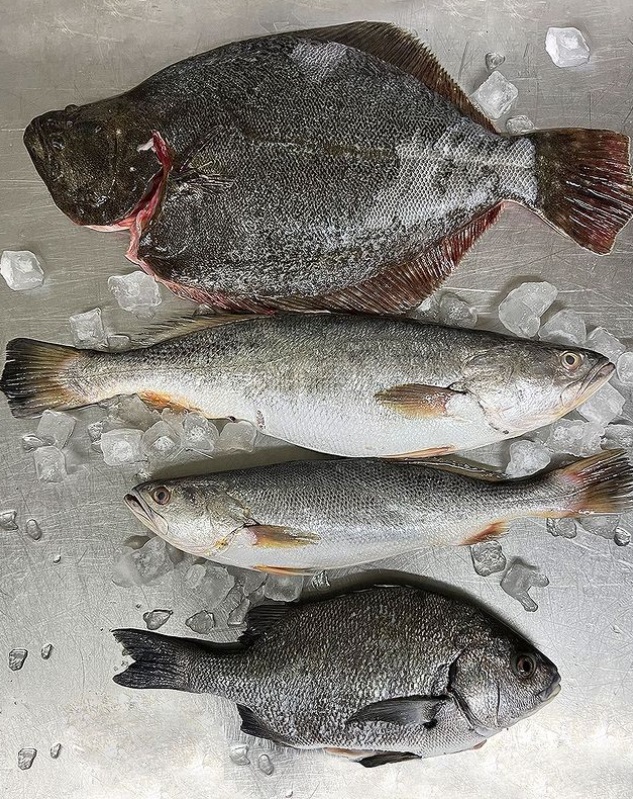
(521, 385)
(92, 161)
(196, 517)
(501, 680)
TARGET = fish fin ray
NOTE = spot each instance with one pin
(602, 483)
(585, 186)
(384, 758)
(262, 617)
(285, 571)
(183, 327)
(277, 536)
(419, 455)
(403, 50)
(466, 469)
(492, 531)
(31, 380)
(417, 401)
(252, 724)
(402, 710)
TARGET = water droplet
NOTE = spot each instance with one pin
(33, 530)
(26, 757)
(622, 537)
(239, 754)
(46, 651)
(265, 764)
(17, 658)
(156, 618)
(8, 520)
(202, 622)
(55, 750)
(57, 558)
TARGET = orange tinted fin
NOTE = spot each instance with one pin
(158, 400)
(401, 286)
(420, 454)
(273, 536)
(283, 571)
(33, 377)
(401, 49)
(417, 401)
(585, 187)
(602, 483)
(487, 534)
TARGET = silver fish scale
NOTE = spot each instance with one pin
(310, 166)
(304, 679)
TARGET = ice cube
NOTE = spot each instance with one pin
(519, 579)
(121, 446)
(156, 618)
(565, 528)
(320, 581)
(605, 405)
(50, 464)
(55, 428)
(625, 368)
(282, 588)
(487, 558)
(87, 329)
(453, 311)
(494, 61)
(237, 436)
(565, 327)
(160, 442)
(55, 750)
(199, 434)
(17, 658)
(26, 756)
(622, 537)
(239, 754)
(237, 616)
(137, 292)
(521, 311)
(46, 651)
(195, 575)
(619, 435)
(566, 47)
(526, 457)
(251, 581)
(8, 520)
(202, 622)
(603, 342)
(119, 342)
(21, 270)
(33, 530)
(95, 431)
(217, 585)
(131, 411)
(602, 525)
(152, 560)
(575, 437)
(265, 764)
(518, 125)
(495, 96)
(30, 442)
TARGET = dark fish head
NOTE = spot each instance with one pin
(501, 680)
(93, 162)
(522, 385)
(192, 514)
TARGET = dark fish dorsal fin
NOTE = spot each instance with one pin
(401, 49)
(262, 617)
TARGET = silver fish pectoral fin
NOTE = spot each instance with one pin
(402, 710)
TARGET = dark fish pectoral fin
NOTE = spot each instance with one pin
(404, 710)
(384, 758)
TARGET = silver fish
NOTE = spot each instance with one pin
(345, 385)
(385, 674)
(337, 168)
(312, 515)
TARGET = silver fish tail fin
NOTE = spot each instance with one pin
(585, 187)
(602, 483)
(160, 661)
(33, 377)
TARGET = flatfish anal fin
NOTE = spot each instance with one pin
(275, 536)
(403, 710)
(417, 401)
(399, 287)
(252, 724)
(401, 49)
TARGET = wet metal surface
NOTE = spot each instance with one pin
(58, 589)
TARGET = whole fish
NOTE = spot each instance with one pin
(337, 168)
(313, 515)
(345, 385)
(381, 675)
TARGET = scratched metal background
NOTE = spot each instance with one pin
(153, 745)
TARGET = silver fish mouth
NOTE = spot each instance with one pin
(144, 513)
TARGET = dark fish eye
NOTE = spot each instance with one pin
(161, 495)
(524, 666)
(571, 360)
(56, 143)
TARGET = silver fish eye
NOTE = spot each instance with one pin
(571, 360)
(524, 665)
(161, 495)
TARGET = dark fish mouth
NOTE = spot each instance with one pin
(552, 690)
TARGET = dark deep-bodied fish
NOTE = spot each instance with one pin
(312, 515)
(338, 168)
(385, 674)
(343, 384)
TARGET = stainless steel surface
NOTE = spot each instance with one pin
(152, 745)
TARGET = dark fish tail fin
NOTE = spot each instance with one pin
(33, 379)
(160, 661)
(602, 483)
(584, 184)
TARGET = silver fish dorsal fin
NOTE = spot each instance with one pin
(401, 49)
(183, 327)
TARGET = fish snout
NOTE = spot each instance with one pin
(552, 690)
